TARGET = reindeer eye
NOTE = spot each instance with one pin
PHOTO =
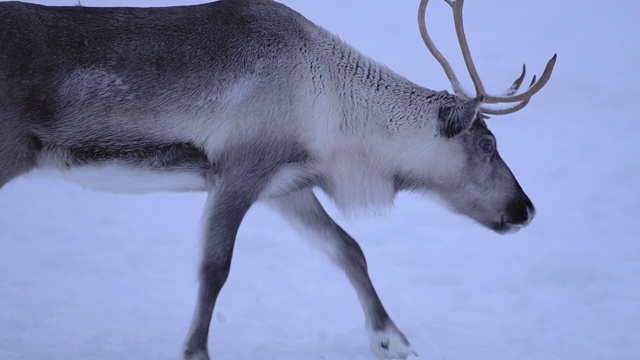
(486, 145)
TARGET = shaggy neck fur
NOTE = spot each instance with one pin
(377, 110)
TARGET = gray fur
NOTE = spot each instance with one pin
(249, 101)
(456, 117)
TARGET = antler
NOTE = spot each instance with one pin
(510, 95)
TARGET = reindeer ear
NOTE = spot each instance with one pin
(455, 118)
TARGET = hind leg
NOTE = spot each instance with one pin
(18, 150)
(305, 212)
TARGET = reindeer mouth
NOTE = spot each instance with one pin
(518, 216)
(503, 227)
(506, 227)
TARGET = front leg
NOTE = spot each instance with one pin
(226, 207)
(305, 213)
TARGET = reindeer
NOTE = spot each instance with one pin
(248, 101)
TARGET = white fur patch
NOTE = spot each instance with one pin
(119, 178)
(359, 185)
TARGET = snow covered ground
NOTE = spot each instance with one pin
(87, 275)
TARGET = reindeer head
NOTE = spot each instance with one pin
(477, 183)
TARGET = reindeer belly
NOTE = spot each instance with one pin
(131, 169)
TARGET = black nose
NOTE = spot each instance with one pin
(520, 211)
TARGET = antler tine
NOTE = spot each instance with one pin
(455, 83)
(510, 110)
(537, 86)
(516, 84)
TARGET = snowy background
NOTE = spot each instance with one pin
(87, 275)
